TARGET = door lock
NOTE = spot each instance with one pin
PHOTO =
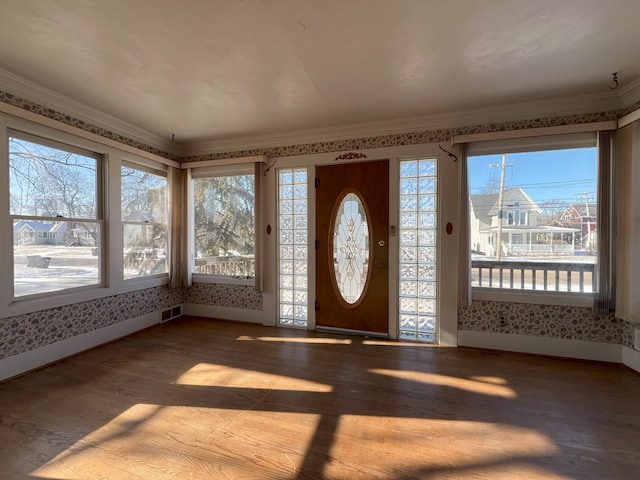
(381, 243)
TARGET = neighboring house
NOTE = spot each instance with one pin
(50, 233)
(521, 234)
(37, 233)
(583, 216)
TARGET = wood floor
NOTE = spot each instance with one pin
(201, 399)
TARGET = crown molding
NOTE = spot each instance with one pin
(612, 100)
(27, 90)
(630, 94)
(609, 101)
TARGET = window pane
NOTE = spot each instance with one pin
(145, 250)
(224, 220)
(533, 220)
(54, 256)
(51, 182)
(293, 262)
(144, 196)
(418, 200)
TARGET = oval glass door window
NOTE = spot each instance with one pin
(351, 248)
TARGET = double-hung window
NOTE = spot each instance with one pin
(224, 224)
(56, 212)
(144, 221)
(533, 214)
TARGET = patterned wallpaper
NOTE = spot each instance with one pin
(571, 323)
(26, 332)
(234, 296)
(411, 138)
(22, 333)
(74, 122)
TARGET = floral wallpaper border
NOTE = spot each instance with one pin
(74, 122)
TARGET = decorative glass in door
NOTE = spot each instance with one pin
(351, 248)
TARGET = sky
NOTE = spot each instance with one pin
(563, 175)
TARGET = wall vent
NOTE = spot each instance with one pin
(171, 313)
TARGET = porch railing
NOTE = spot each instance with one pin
(543, 276)
(232, 266)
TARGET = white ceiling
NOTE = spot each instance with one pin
(216, 70)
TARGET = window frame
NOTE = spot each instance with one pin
(113, 154)
(230, 170)
(160, 171)
(99, 219)
(560, 141)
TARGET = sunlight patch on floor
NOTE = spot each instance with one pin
(209, 374)
(467, 384)
(188, 442)
(430, 447)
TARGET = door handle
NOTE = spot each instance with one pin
(381, 243)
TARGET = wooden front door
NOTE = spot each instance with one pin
(352, 247)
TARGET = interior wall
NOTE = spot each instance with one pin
(27, 332)
(23, 333)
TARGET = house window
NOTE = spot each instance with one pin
(55, 209)
(224, 219)
(144, 217)
(523, 217)
(550, 242)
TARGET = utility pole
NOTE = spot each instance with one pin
(586, 205)
(503, 168)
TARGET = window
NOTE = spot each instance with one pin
(144, 217)
(533, 215)
(418, 238)
(293, 257)
(224, 217)
(55, 208)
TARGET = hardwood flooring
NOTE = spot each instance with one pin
(203, 399)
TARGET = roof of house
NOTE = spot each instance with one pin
(581, 208)
(36, 226)
(486, 204)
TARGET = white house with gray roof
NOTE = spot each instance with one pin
(521, 234)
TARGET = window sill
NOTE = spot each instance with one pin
(26, 305)
(528, 296)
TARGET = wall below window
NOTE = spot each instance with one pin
(552, 321)
(219, 295)
(35, 330)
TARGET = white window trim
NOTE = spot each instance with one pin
(540, 139)
(222, 168)
(113, 154)
(161, 170)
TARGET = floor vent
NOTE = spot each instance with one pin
(171, 313)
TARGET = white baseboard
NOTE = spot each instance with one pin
(27, 361)
(605, 352)
(224, 313)
(631, 358)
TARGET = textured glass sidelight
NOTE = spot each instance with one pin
(418, 235)
(293, 245)
(351, 248)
